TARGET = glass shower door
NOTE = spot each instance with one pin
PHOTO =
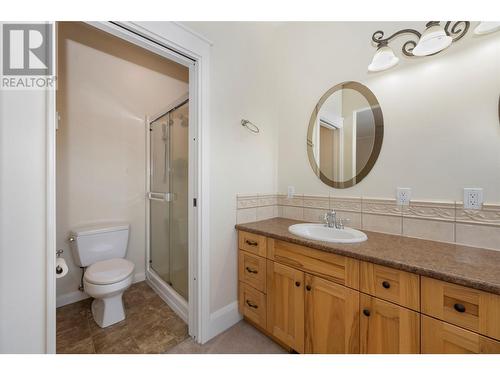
(169, 198)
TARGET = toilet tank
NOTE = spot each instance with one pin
(100, 242)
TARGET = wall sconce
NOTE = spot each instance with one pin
(433, 40)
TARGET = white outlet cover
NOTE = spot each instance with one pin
(291, 191)
(403, 196)
(473, 198)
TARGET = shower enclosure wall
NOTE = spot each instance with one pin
(168, 204)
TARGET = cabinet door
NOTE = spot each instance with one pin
(331, 316)
(443, 338)
(386, 328)
(285, 304)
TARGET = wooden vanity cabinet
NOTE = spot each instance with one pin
(331, 317)
(285, 304)
(386, 328)
(318, 302)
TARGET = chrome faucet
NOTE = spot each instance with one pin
(331, 219)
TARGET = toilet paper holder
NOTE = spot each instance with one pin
(59, 270)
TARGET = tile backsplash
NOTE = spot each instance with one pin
(438, 221)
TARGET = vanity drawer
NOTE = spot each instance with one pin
(443, 338)
(252, 270)
(252, 243)
(390, 284)
(333, 267)
(465, 307)
(252, 304)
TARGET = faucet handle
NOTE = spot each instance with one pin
(342, 221)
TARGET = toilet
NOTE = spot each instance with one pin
(102, 249)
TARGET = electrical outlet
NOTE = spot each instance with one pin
(291, 191)
(403, 196)
(473, 198)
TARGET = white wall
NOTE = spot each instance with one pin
(441, 126)
(241, 81)
(22, 222)
(106, 88)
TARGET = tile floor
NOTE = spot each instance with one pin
(150, 327)
(241, 338)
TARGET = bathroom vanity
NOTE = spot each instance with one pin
(390, 294)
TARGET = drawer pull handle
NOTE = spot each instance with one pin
(297, 283)
(251, 242)
(308, 287)
(252, 305)
(386, 284)
(251, 270)
(366, 312)
(459, 307)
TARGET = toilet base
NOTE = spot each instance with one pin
(108, 311)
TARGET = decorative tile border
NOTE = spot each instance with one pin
(316, 201)
(351, 204)
(435, 220)
(380, 207)
(430, 210)
(488, 215)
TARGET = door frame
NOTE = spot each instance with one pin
(178, 43)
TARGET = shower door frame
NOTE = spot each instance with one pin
(167, 292)
(178, 43)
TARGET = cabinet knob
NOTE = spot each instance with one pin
(251, 243)
(386, 284)
(308, 287)
(459, 307)
(297, 283)
(366, 312)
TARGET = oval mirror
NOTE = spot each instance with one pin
(345, 135)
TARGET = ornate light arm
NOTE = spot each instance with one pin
(456, 32)
(378, 38)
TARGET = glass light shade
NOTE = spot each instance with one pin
(433, 40)
(384, 59)
(486, 28)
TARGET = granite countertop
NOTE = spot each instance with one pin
(469, 266)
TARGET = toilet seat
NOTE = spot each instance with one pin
(109, 271)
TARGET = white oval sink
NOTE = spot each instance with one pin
(321, 232)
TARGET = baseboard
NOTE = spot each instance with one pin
(72, 297)
(138, 277)
(223, 319)
(169, 295)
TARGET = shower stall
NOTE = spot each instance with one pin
(168, 204)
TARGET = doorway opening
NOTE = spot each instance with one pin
(107, 174)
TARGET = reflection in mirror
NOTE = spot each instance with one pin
(345, 135)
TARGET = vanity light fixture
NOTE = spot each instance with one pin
(433, 40)
(486, 28)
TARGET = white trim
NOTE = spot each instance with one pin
(196, 34)
(177, 38)
(169, 295)
(71, 297)
(50, 209)
(223, 319)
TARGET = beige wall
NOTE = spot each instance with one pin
(242, 78)
(106, 88)
(442, 131)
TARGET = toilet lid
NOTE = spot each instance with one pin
(109, 271)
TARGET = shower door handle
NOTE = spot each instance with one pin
(161, 197)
